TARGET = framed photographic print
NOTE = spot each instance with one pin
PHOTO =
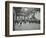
(24, 18)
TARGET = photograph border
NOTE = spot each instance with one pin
(7, 17)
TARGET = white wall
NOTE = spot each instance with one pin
(2, 19)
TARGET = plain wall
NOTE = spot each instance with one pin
(2, 19)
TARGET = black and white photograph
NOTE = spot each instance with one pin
(24, 18)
